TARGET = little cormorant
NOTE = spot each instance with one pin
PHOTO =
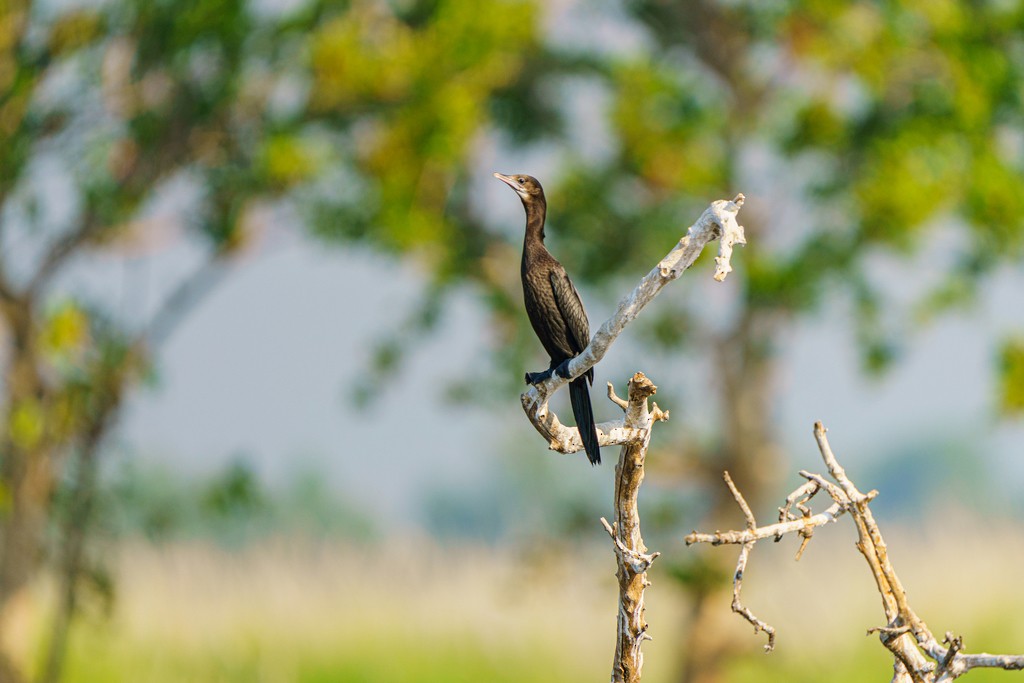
(555, 309)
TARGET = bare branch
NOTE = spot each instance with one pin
(183, 298)
(741, 501)
(614, 398)
(741, 569)
(773, 530)
(717, 222)
(633, 430)
(631, 554)
(62, 249)
(918, 656)
(737, 605)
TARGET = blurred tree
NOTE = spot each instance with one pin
(887, 120)
(892, 124)
(100, 108)
(236, 492)
(107, 109)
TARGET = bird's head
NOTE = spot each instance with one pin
(526, 186)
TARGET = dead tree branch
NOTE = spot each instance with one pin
(717, 222)
(631, 554)
(918, 656)
(633, 430)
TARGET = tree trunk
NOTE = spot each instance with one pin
(21, 531)
(750, 453)
(26, 475)
(75, 530)
(631, 554)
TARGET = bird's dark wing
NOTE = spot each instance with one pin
(571, 307)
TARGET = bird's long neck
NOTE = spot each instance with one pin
(536, 210)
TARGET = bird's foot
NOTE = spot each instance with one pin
(537, 377)
(563, 369)
(560, 370)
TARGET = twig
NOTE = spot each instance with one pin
(181, 300)
(918, 656)
(772, 530)
(614, 398)
(737, 605)
(751, 522)
(741, 569)
(802, 494)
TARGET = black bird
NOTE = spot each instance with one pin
(555, 309)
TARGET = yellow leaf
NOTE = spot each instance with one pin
(289, 160)
(27, 423)
(67, 329)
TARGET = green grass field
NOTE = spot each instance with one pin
(414, 611)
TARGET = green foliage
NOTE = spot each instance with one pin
(414, 97)
(906, 106)
(369, 115)
(934, 91)
(1011, 377)
(230, 506)
(906, 110)
(699, 573)
(236, 491)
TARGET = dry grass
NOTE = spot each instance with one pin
(414, 610)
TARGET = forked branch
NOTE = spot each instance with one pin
(633, 431)
(717, 222)
(918, 656)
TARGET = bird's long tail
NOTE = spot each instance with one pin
(579, 395)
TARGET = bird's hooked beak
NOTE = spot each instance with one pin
(511, 182)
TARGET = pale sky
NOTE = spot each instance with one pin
(263, 369)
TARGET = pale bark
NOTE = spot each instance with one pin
(631, 554)
(633, 431)
(717, 222)
(918, 656)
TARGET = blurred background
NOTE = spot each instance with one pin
(263, 339)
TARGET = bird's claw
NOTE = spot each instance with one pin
(537, 377)
(560, 370)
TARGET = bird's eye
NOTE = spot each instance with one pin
(522, 180)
